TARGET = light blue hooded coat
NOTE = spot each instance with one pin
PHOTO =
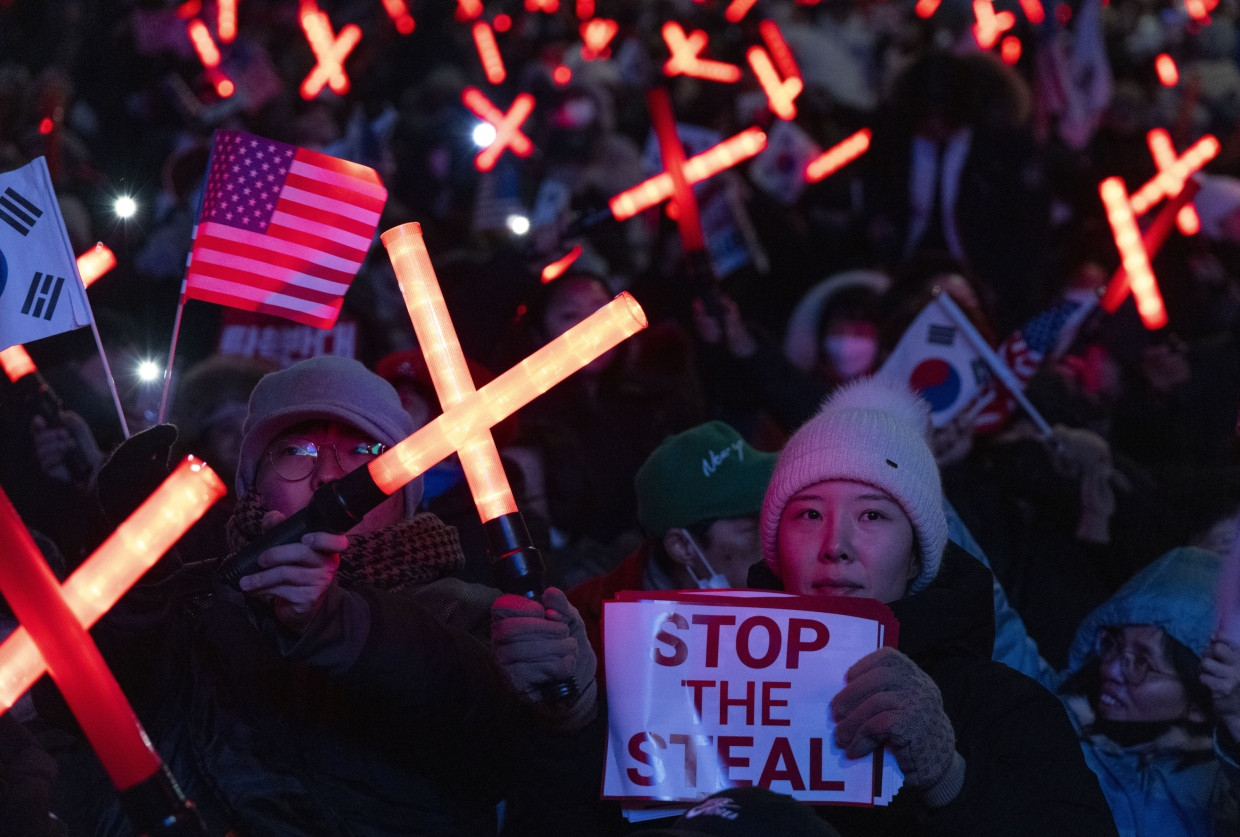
(1178, 784)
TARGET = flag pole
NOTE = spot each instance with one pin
(172, 351)
(992, 359)
(107, 371)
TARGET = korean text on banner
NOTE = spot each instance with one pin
(710, 691)
(282, 230)
(41, 293)
(937, 359)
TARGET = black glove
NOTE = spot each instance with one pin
(134, 470)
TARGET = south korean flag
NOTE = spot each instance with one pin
(41, 293)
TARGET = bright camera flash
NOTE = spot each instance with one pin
(125, 207)
(148, 370)
(484, 134)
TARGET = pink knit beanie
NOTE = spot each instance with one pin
(873, 431)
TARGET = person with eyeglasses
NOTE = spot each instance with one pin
(1152, 690)
(351, 685)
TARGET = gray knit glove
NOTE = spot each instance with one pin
(888, 700)
(536, 643)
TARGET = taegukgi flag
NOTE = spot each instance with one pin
(41, 293)
(936, 358)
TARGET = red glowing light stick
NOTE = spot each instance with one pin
(99, 582)
(446, 362)
(90, 690)
(563, 74)
(209, 55)
(488, 52)
(95, 262)
(398, 11)
(926, 8)
(1168, 73)
(226, 20)
(673, 154)
(990, 24)
(548, 6)
(780, 93)
(585, 9)
(330, 52)
(1033, 10)
(507, 126)
(596, 34)
(17, 362)
(468, 9)
(684, 58)
(1152, 239)
(697, 168)
(1132, 252)
(556, 269)
(781, 53)
(1199, 10)
(189, 9)
(838, 156)
(737, 10)
(1172, 171)
(1009, 49)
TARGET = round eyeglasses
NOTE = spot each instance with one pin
(1134, 665)
(294, 459)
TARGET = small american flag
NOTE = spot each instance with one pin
(1023, 353)
(282, 230)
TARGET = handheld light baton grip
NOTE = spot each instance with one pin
(335, 507)
(518, 568)
(156, 807)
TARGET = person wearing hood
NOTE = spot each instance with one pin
(854, 508)
(1154, 698)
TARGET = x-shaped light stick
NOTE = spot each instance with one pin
(507, 126)
(697, 168)
(53, 636)
(330, 51)
(684, 59)
(1138, 274)
(339, 505)
(1173, 172)
(737, 10)
(780, 93)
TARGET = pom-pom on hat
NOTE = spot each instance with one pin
(707, 472)
(873, 431)
(327, 388)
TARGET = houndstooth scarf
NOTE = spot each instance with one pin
(404, 555)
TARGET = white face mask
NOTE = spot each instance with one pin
(714, 581)
(850, 355)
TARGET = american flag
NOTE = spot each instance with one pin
(282, 230)
(1023, 353)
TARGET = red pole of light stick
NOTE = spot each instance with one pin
(673, 153)
(74, 662)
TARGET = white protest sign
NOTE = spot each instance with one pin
(707, 692)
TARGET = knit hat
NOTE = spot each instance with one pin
(748, 812)
(872, 430)
(802, 343)
(705, 473)
(326, 388)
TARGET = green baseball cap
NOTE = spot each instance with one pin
(706, 473)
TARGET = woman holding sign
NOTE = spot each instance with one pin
(855, 508)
